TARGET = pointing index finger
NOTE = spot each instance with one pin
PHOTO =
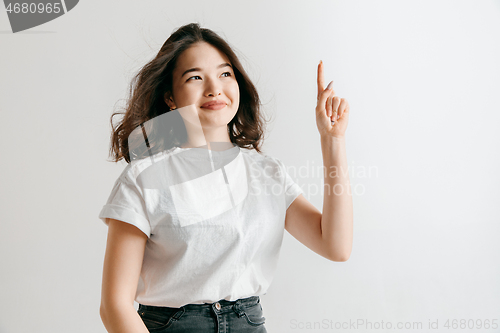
(321, 78)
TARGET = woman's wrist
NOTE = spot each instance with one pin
(329, 139)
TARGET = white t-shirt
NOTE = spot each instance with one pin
(214, 221)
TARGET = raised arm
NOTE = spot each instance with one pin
(330, 234)
(122, 266)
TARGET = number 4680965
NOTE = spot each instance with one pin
(34, 8)
(471, 323)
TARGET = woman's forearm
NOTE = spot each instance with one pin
(337, 217)
(122, 319)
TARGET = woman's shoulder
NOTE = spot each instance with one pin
(263, 160)
(136, 166)
(259, 155)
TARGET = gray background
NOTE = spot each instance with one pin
(422, 79)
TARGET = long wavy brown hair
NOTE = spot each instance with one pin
(148, 87)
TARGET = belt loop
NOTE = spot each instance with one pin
(238, 308)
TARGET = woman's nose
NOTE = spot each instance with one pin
(213, 89)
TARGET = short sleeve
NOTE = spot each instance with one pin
(292, 189)
(126, 203)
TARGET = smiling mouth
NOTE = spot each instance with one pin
(214, 106)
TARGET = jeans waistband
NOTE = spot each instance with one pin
(225, 305)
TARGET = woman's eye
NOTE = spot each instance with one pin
(225, 74)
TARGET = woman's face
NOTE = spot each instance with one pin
(203, 74)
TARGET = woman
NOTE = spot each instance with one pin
(195, 227)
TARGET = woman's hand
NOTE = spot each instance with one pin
(332, 112)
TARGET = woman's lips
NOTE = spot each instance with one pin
(213, 105)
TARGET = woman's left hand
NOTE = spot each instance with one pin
(332, 112)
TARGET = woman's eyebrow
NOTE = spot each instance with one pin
(197, 69)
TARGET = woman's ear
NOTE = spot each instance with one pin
(170, 102)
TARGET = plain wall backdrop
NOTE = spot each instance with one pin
(422, 80)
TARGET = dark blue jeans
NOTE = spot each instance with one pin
(243, 315)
